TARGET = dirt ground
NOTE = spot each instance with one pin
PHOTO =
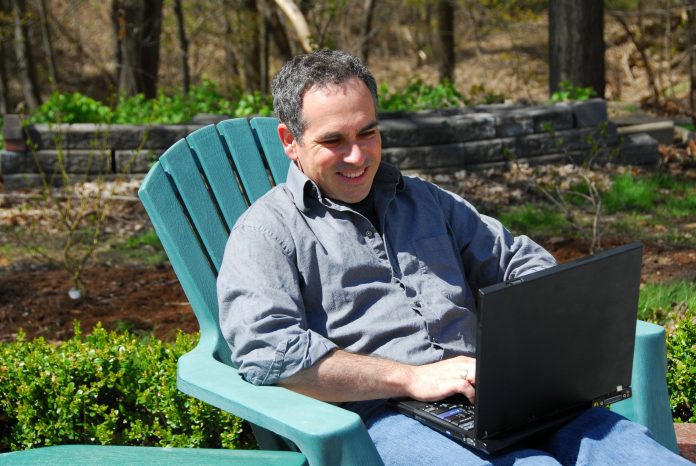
(150, 299)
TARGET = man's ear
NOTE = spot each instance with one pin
(288, 140)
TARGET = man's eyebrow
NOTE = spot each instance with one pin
(369, 127)
(329, 135)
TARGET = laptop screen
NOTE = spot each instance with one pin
(556, 340)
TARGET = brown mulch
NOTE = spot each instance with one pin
(150, 299)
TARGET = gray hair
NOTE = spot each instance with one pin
(320, 68)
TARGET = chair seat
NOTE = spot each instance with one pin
(78, 455)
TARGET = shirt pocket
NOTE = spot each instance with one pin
(437, 256)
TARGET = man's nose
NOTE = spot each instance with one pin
(355, 155)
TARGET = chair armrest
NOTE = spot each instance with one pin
(649, 404)
(324, 433)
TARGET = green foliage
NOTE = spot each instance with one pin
(570, 92)
(658, 300)
(529, 218)
(144, 247)
(71, 108)
(420, 96)
(673, 305)
(166, 108)
(104, 388)
(681, 367)
(630, 193)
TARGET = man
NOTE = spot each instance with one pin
(352, 284)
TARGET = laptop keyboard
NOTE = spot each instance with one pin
(461, 414)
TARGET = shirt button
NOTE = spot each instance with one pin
(368, 233)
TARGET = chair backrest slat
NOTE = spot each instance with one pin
(266, 129)
(186, 254)
(246, 156)
(180, 163)
(215, 160)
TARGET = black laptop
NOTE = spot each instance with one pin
(549, 345)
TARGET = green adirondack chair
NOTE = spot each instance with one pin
(193, 195)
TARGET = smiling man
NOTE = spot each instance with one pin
(352, 284)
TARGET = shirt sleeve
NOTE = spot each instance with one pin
(490, 252)
(262, 314)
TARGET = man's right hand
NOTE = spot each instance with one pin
(342, 376)
(432, 382)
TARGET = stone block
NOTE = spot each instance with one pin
(422, 130)
(662, 131)
(557, 117)
(15, 162)
(590, 112)
(78, 162)
(136, 161)
(403, 157)
(21, 181)
(94, 136)
(638, 149)
(459, 154)
(514, 123)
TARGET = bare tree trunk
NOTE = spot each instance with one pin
(280, 36)
(298, 21)
(6, 12)
(445, 32)
(152, 27)
(138, 31)
(48, 44)
(366, 33)
(184, 47)
(4, 94)
(691, 32)
(250, 31)
(232, 54)
(576, 44)
(25, 61)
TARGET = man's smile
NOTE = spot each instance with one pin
(353, 174)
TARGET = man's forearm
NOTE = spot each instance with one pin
(343, 376)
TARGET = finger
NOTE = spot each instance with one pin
(469, 392)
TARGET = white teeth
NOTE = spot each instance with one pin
(353, 174)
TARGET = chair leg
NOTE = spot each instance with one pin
(649, 404)
(268, 440)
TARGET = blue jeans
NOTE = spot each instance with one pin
(596, 437)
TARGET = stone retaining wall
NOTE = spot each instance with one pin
(441, 140)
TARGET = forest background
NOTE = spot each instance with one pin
(491, 50)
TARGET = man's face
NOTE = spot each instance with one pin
(341, 147)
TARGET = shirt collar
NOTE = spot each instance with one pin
(303, 189)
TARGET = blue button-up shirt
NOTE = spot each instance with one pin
(303, 275)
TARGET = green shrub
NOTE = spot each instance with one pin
(681, 367)
(420, 96)
(104, 388)
(71, 108)
(673, 305)
(569, 92)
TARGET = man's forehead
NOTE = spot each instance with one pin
(331, 88)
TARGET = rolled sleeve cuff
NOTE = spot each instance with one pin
(291, 356)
